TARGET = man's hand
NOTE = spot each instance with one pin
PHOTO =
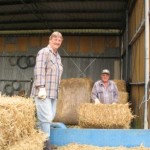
(42, 93)
(113, 103)
(97, 101)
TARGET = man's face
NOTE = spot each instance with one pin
(55, 42)
(105, 77)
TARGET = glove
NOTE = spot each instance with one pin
(97, 101)
(113, 103)
(42, 93)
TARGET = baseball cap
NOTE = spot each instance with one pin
(105, 71)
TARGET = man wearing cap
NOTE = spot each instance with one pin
(47, 76)
(105, 91)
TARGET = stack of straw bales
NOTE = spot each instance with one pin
(123, 97)
(108, 116)
(123, 94)
(73, 92)
(121, 84)
(17, 125)
(74, 146)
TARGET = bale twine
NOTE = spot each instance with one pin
(121, 85)
(123, 97)
(17, 119)
(74, 146)
(72, 93)
(108, 116)
(33, 142)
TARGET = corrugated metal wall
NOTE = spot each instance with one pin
(16, 46)
(137, 64)
(89, 55)
(81, 56)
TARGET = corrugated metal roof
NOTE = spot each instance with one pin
(65, 15)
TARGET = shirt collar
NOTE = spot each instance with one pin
(52, 50)
(101, 82)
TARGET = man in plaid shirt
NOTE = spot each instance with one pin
(47, 76)
(105, 91)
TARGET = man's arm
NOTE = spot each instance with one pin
(94, 95)
(116, 94)
(39, 71)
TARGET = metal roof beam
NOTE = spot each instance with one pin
(62, 21)
(13, 33)
(83, 1)
(62, 11)
(14, 2)
(5, 28)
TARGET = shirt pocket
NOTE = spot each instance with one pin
(51, 63)
(100, 90)
(110, 90)
(51, 67)
(100, 93)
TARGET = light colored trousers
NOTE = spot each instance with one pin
(46, 110)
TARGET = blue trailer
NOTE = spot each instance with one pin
(101, 137)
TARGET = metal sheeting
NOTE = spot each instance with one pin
(11, 73)
(82, 56)
(73, 68)
(93, 72)
(79, 64)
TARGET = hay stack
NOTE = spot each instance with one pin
(106, 116)
(123, 97)
(73, 146)
(72, 93)
(17, 120)
(121, 84)
(32, 142)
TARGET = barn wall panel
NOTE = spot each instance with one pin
(72, 44)
(22, 44)
(1, 44)
(85, 50)
(137, 62)
(85, 44)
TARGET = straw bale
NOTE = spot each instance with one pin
(121, 85)
(74, 146)
(108, 116)
(33, 142)
(123, 97)
(73, 92)
(73, 126)
(17, 119)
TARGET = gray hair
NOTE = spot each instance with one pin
(56, 34)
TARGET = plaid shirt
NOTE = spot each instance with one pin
(107, 95)
(47, 72)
